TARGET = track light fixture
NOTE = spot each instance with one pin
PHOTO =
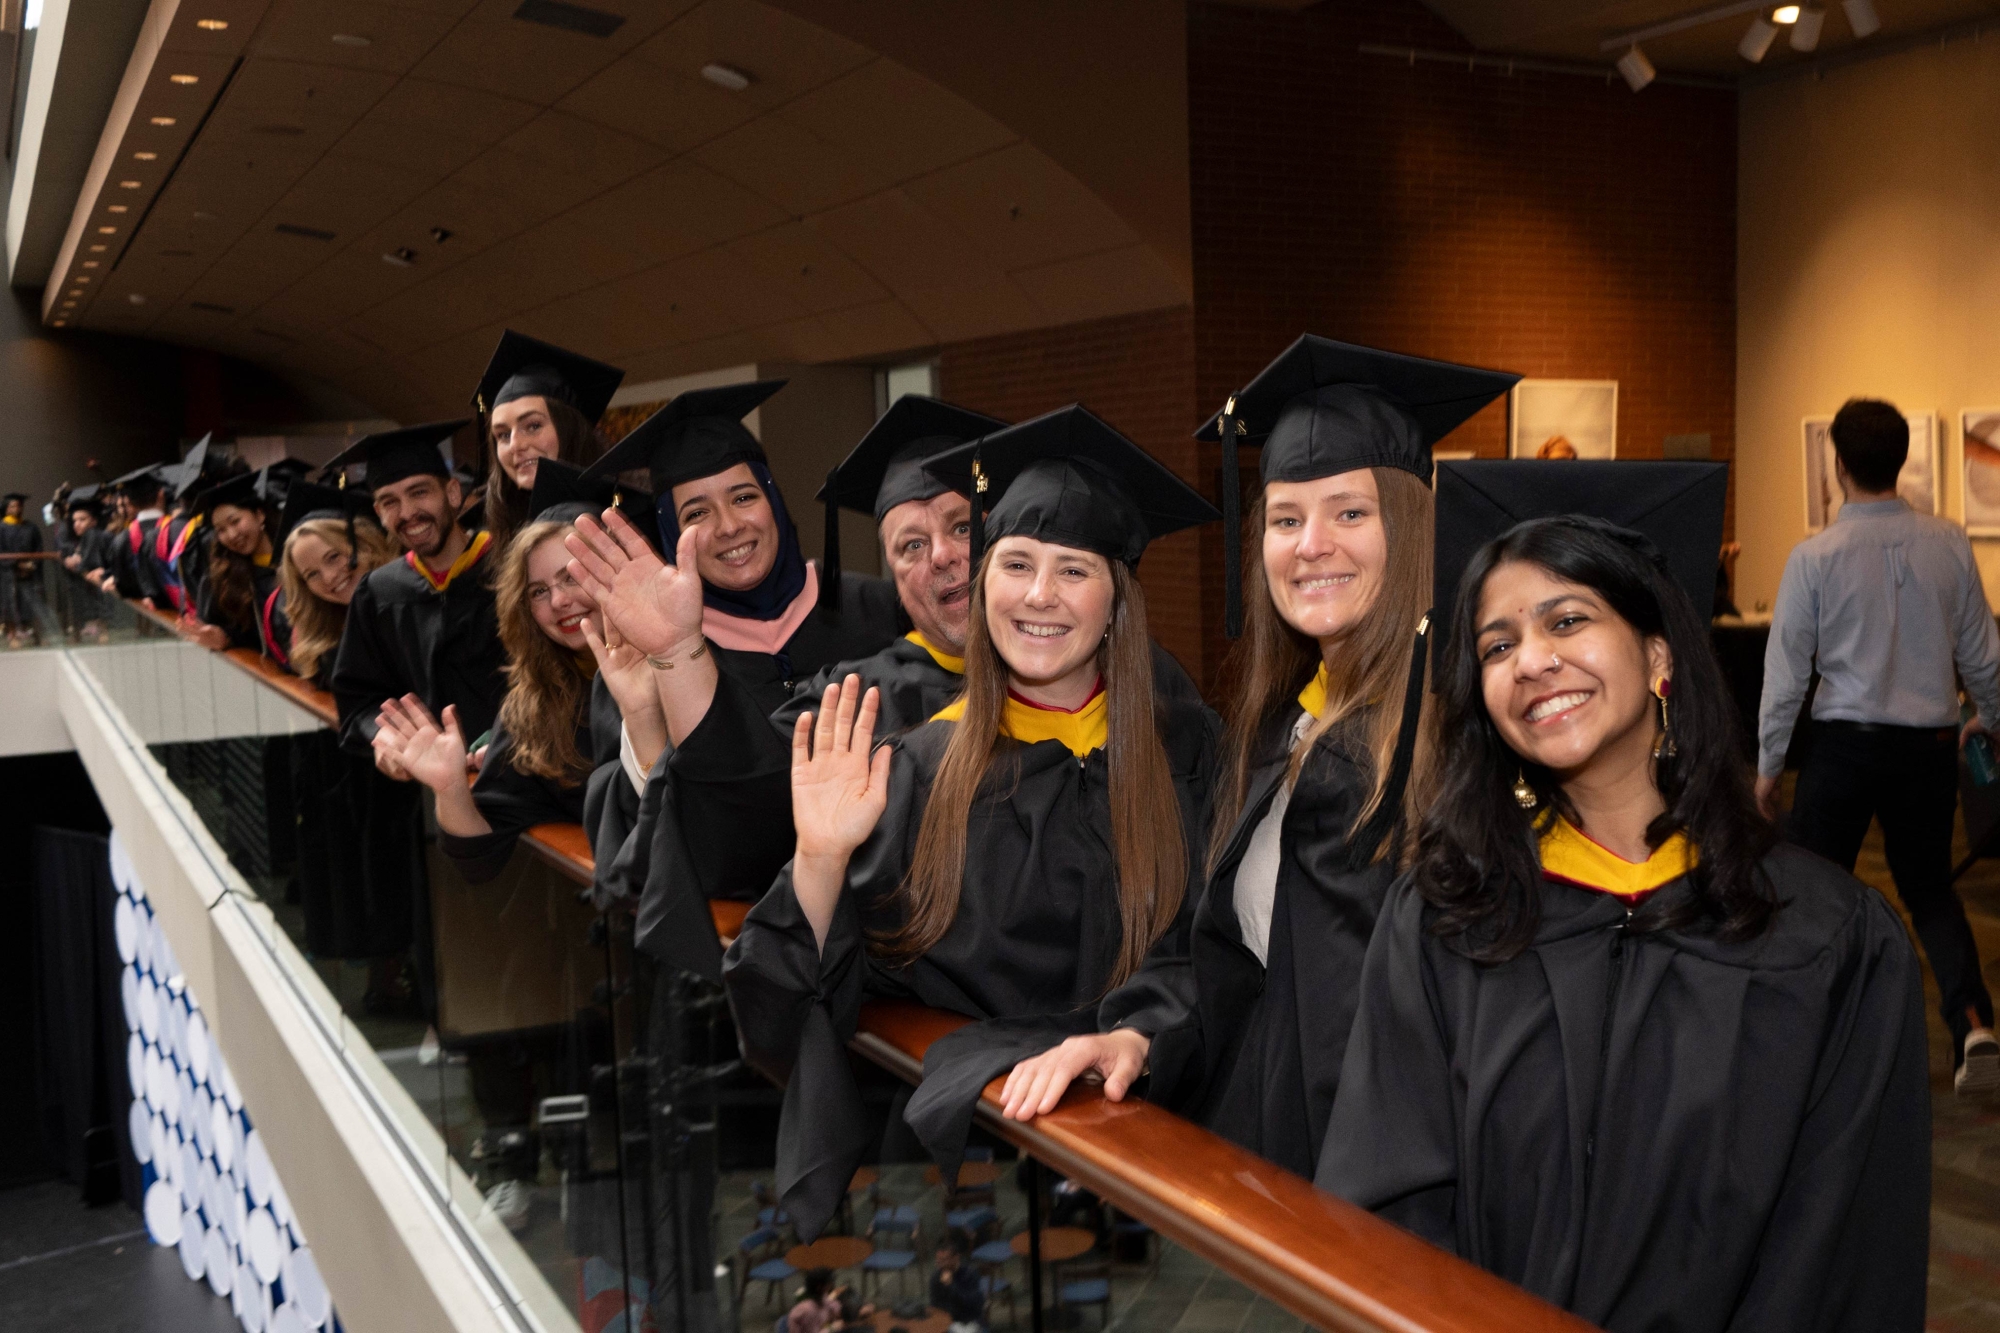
(1805, 32)
(1861, 17)
(1636, 69)
(1785, 15)
(1757, 39)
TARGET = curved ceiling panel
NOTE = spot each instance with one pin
(369, 192)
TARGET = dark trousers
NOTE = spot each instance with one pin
(1908, 779)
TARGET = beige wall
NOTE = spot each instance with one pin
(1868, 263)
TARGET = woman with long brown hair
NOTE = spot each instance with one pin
(536, 401)
(546, 742)
(240, 572)
(1325, 727)
(1019, 855)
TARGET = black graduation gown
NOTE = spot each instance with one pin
(18, 537)
(133, 567)
(405, 637)
(514, 802)
(1253, 1051)
(1655, 1130)
(97, 549)
(734, 771)
(651, 864)
(248, 632)
(1033, 945)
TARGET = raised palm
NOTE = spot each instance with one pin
(840, 785)
(432, 754)
(622, 665)
(656, 606)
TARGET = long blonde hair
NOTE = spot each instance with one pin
(1146, 840)
(1272, 662)
(545, 692)
(316, 622)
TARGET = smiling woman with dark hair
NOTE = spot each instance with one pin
(1614, 1043)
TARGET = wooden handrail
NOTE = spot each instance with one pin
(1330, 1263)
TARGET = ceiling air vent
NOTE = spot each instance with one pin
(212, 306)
(273, 334)
(310, 233)
(570, 18)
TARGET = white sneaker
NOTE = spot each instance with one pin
(509, 1202)
(1980, 1071)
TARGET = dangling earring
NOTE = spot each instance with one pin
(1524, 795)
(1664, 747)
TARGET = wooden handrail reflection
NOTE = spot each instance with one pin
(1332, 1264)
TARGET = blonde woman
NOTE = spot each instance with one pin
(1017, 856)
(1325, 713)
(544, 745)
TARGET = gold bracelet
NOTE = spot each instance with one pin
(662, 664)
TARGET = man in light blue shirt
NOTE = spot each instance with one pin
(1887, 603)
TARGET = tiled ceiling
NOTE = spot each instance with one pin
(596, 191)
(1577, 29)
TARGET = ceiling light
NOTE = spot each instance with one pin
(352, 39)
(726, 76)
(401, 258)
(163, 120)
(1785, 15)
(117, 208)
(135, 298)
(60, 323)
(107, 231)
(130, 185)
(144, 157)
(1757, 39)
(185, 79)
(83, 277)
(90, 263)
(96, 249)
(440, 235)
(211, 25)
(1861, 17)
(1805, 33)
(1638, 70)
(74, 292)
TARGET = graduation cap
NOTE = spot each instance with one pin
(153, 476)
(562, 494)
(524, 367)
(12, 496)
(393, 455)
(697, 435)
(306, 500)
(1675, 505)
(246, 490)
(887, 469)
(1325, 407)
(192, 467)
(83, 497)
(1069, 478)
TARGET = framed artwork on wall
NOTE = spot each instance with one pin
(1981, 426)
(1917, 483)
(1563, 419)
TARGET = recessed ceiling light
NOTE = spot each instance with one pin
(402, 257)
(61, 322)
(97, 249)
(1785, 14)
(130, 185)
(185, 79)
(352, 39)
(135, 298)
(107, 231)
(90, 263)
(85, 277)
(726, 76)
(212, 25)
(144, 157)
(162, 120)
(117, 208)
(74, 292)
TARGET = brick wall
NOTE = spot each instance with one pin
(1548, 224)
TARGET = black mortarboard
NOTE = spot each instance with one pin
(246, 490)
(1325, 407)
(192, 467)
(1067, 477)
(887, 468)
(697, 435)
(12, 496)
(308, 500)
(394, 455)
(524, 367)
(1676, 505)
(154, 475)
(562, 494)
(83, 497)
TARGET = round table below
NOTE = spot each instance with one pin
(829, 1252)
(932, 1320)
(1058, 1243)
(971, 1175)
